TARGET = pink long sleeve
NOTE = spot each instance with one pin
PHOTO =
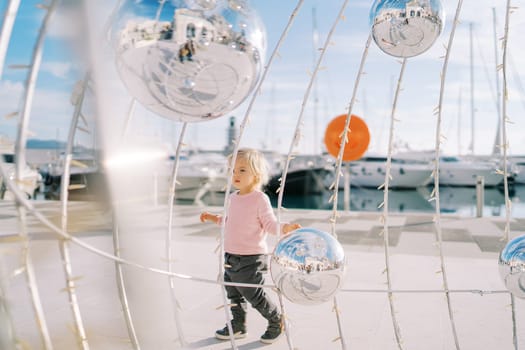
(250, 218)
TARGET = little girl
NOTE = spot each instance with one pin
(250, 217)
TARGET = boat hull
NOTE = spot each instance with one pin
(301, 181)
(367, 174)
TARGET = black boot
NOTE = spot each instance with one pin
(238, 323)
(274, 331)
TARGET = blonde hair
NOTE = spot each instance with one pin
(257, 162)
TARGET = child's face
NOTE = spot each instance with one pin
(243, 177)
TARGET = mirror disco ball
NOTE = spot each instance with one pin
(512, 266)
(308, 266)
(188, 60)
(406, 28)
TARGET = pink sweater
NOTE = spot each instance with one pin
(249, 219)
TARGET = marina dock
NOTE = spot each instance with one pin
(480, 303)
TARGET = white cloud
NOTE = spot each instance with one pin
(58, 69)
(8, 89)
(10, 94)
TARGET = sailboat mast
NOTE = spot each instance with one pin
(315, 45)
(269, 131)
(472, 108)
(459, 122)
(496, 149)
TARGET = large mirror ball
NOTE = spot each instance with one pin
(512, 266)
(188, 60)
(308, 266)
(406, 28)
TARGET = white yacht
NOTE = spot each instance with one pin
(369, 171)
(199, 174)
(30, 178)
(86, 178)
(463, 171)
(518, 169)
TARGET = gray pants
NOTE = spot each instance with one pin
(248, 269)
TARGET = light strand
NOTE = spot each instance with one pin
(437, 223)
(63, 244)
(20, 151)
(297, 134)
(385, 217)
(504, 142)
(169, 251)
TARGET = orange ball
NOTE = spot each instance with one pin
(358, 137)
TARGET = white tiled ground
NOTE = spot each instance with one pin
(470, 246)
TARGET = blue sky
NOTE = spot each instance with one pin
(276, 110)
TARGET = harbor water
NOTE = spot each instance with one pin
(453, 200)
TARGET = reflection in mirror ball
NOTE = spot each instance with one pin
(198, 61)
(308, 266)
(512, 266)
(406, 28)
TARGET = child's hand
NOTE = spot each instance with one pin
(205, 216)
(287, 228)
